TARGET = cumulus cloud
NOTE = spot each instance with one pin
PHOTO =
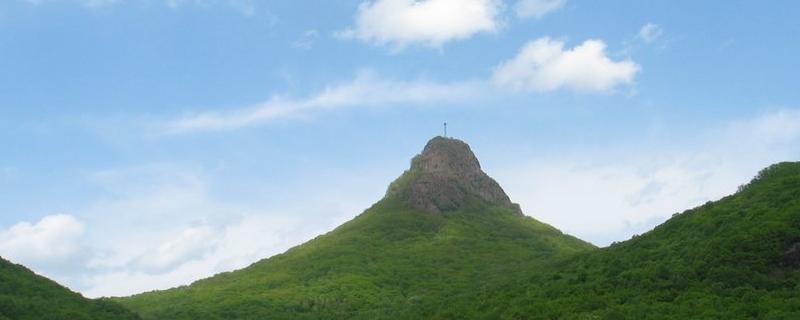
(53, 240)
(545, 65)
(365, 90)
(541, 66)
(431, 22)
(650, 32)
(537, 8)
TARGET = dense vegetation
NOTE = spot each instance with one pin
(390, 262)
(736, 258)
(25, 295)
(730, 259)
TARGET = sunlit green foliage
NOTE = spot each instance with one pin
(25, 295)
(389, 262)
(723, 260)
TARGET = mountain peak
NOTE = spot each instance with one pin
(444, 177)
(446, 156)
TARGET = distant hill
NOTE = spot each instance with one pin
(25, 295)
(444, 232)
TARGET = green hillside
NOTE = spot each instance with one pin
(447, 243)
(393, 261)
(390, 262)
(25, 295)
(737, 258)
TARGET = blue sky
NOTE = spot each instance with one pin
(147, 143)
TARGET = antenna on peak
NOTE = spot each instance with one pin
(445, 129)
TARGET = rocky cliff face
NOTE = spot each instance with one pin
(444, 177)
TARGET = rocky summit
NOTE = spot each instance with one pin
(446, 176)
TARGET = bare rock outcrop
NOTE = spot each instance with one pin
(444, 177)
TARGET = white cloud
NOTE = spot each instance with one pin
(188, 245)
(161, 226)
(650, 32)
(544, 65)
(51, 241)
(199, 252)
(614, 194)
(365, 90)
(777, 128)
(432, 22)
(537, 8)
(615, 201)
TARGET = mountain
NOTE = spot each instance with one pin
(447, 243)
(25, 295)
(443, 232)
(736, 258)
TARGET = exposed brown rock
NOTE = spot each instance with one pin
(445, 176)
